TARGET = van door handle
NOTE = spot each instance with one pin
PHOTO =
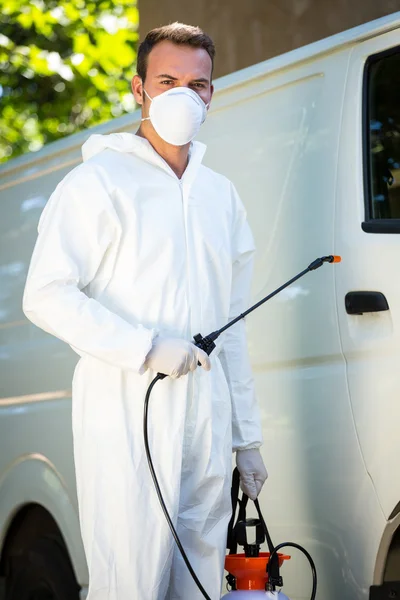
(358, 303)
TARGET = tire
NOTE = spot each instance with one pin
(43, 572)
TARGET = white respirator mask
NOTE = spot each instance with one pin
(177, 115)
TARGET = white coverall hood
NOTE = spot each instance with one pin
(121, 142)
(130, 143)
(126, 251)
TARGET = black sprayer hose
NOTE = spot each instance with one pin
(157, 486)
(308, 556)
(169, 520)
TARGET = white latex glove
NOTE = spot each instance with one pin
(175, 357)
(253, 473)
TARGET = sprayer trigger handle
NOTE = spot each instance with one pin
(205, 343)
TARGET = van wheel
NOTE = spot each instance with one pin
(43, 572)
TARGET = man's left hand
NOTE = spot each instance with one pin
(253, 473)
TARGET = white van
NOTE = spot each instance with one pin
(312, 141)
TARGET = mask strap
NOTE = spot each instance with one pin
(151, 99)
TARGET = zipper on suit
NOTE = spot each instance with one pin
(187, 433)
(188, 287)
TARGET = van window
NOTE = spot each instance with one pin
(382, 142)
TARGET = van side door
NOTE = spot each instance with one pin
(368, 238)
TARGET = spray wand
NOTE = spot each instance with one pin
(207, 344)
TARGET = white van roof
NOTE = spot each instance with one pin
(287, 60)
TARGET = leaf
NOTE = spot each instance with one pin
(25, 20)
(36, 100)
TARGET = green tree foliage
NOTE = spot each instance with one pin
(64, 65)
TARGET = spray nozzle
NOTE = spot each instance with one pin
(320, 261)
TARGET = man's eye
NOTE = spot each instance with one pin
(167, 81)
(199, 85)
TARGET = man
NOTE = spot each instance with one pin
(140, 248)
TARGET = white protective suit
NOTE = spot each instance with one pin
(126, 250)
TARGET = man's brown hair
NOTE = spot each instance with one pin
(178, 33)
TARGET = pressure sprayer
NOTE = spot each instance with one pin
(253, 574)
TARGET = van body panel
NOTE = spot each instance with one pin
(41, 468)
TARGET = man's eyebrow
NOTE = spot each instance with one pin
(198, 80)
(166, 76)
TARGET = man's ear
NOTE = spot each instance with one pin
(137, 89)
(212, 91)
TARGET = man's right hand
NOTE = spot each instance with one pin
(175, 357)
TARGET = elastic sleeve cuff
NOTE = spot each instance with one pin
(143, 367)
(247, 447)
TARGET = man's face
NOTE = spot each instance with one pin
(170, 65)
